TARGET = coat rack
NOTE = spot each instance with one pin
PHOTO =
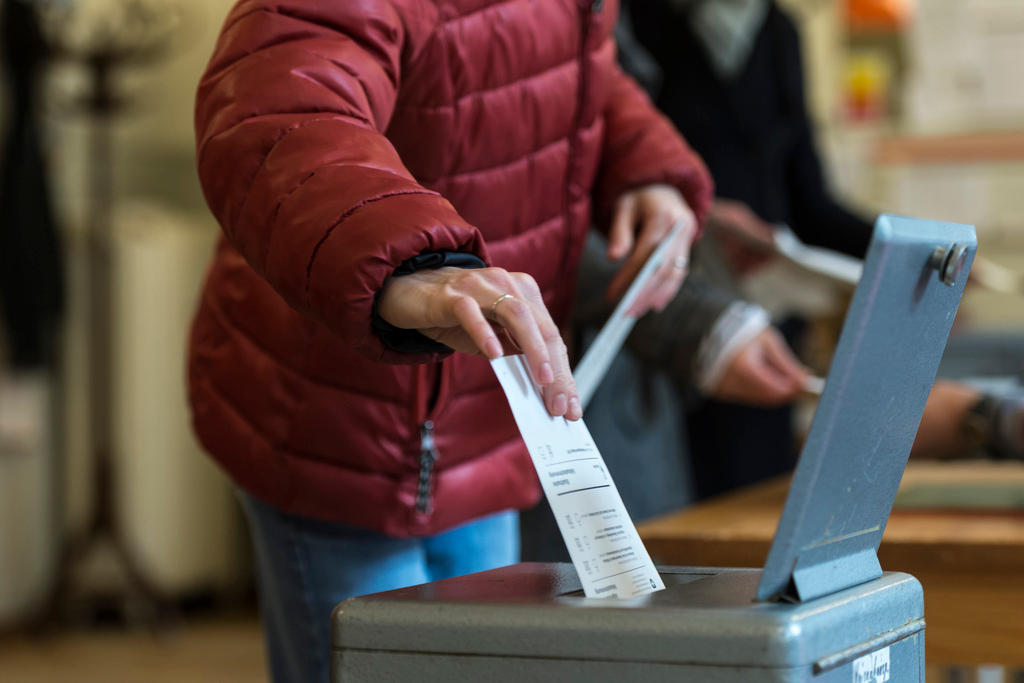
(131, 33)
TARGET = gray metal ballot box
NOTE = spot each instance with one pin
(820, 610)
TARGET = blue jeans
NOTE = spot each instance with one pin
(306, 567)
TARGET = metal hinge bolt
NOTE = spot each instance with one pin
(949, 261)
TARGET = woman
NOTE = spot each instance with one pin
(397, 179)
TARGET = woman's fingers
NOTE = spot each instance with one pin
(654, 214)
(665, 290)
(470, 309)
(496, 296)
(667, 279)
(513, 301)
(561, 396)
(779, 356)
(650, 235)
(772, 387)
(472, 320)
(620, 235)
(757, 376)
(517, 316)
(754, 381)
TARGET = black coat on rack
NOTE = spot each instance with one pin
(31, 276)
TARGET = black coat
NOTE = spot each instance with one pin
(753, 131)
(31, 281)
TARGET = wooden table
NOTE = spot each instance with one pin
(970, 562)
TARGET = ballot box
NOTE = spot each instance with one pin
(820, 610)
(529, 622)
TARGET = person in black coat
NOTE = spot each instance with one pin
(735, 89)
(730, 76)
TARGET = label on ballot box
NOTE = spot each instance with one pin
(872, 668)
(602, 541)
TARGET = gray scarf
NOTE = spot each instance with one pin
(727, 29)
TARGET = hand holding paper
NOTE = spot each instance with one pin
(644, 220)
(485, 312)
(591, 369)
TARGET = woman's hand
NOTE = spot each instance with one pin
(471, 310)
(763, 373)
(747, 241)
(641, 220)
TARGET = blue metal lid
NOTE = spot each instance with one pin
(881, 375)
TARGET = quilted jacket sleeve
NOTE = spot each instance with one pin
(294, 164)
(641, 147)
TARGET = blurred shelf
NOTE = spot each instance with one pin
(959, 148)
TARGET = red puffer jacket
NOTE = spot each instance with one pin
(337, 139)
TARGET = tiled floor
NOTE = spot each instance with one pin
(221, 651)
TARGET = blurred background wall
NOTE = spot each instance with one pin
(920, 111)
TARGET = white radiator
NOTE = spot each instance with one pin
(28, 546)
(175, 508)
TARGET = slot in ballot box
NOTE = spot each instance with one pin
(820, 610)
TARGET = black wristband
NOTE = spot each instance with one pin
(431, 260)
(411, 341)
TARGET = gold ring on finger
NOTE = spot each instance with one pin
(494, 306)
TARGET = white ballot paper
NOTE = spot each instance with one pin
(603, 543)
(831, 264)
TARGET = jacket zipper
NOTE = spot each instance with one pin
(428, 456)
(586, 9)
(428, 447)
(580, 99)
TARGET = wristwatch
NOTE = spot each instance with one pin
(982, 429)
